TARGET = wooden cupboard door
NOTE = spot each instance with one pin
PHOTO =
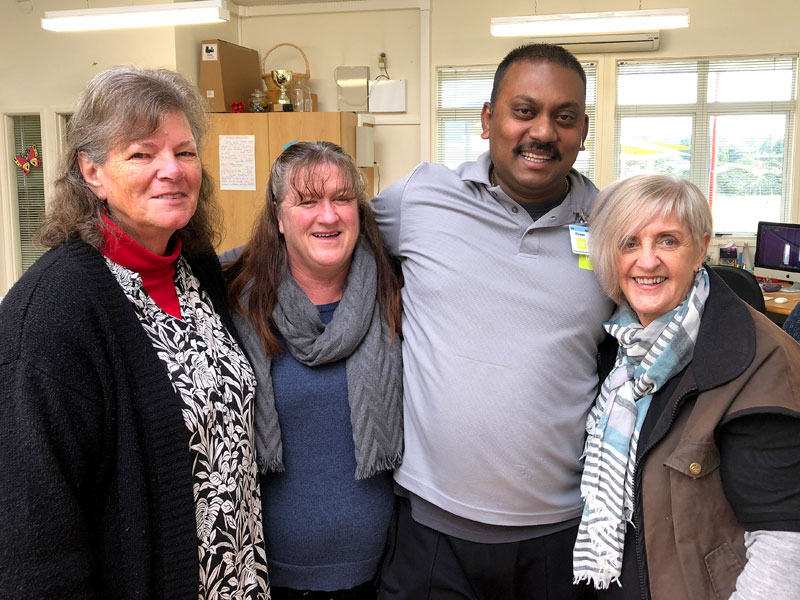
(349, 122)
(336, 127)
(285, 128)
(240, 208)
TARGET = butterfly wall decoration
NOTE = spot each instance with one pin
(32, 161)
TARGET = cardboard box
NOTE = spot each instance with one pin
(228, 74)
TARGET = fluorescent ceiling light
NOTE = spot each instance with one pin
(598, 22)
(148, 15)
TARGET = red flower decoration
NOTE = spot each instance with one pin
(237, 107)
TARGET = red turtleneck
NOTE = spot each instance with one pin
(157, 272)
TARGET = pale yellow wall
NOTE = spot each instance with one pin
(396, 152)
(187, 43)
(49, 69)
(717, 28)
(43, 71)
(460, 29)
(350, 39)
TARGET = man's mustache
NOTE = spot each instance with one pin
(539, 148)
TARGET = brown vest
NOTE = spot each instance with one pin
(694, 544)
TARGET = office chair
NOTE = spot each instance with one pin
(792, 323)
(743, 283)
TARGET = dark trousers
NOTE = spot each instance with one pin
(424, 564)
(365, 591)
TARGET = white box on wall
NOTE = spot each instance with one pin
(387, 95)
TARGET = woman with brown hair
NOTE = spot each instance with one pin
(318, 308)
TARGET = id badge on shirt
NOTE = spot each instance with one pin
(579, 239)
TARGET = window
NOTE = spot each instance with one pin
(27, 132)
(460, 94)
(726, 125)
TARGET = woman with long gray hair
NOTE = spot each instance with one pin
(127, 467)
(318, 308)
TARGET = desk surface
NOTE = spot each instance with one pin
(780, 309)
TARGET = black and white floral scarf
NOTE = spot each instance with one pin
(215, 384)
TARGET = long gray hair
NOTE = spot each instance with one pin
(119, 106)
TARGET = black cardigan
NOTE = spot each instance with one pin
(95, 476)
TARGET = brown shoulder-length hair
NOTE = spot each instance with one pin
(263, 262)
(119, 106)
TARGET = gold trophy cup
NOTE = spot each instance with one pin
(282, 78)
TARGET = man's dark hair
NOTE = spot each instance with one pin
(537, 53)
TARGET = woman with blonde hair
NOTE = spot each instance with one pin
(692, 472)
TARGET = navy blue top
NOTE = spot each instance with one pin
(323, 529)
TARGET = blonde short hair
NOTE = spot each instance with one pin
(628, 205)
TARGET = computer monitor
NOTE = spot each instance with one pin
(778, 252)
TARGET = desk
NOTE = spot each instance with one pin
(779, 312)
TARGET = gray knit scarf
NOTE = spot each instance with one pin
(357, 333)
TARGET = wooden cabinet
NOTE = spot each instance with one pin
(239, 207)
(272, 132)
(336, 127)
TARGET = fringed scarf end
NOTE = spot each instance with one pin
(595, 580)
(385, 464)
(274, 465)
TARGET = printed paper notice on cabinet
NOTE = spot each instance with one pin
(237, 162)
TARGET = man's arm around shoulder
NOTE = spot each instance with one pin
(388, 207)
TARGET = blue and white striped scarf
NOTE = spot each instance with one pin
(648, 357)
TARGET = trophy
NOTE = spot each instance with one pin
(282, 78)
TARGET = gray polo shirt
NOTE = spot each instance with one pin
(501, 328)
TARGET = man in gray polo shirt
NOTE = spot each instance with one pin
(501, 331)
